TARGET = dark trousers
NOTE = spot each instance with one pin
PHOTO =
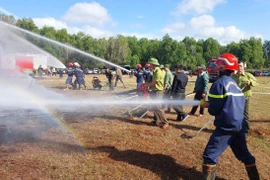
(110, 85)
(179, 108)
(220, 140)
(198, 96)
(246, 114)
(159, 115)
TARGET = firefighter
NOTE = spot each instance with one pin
(70, 72)
(79, 76)
(139, 75)
(96, 83)
(147, 73)
(226, 103)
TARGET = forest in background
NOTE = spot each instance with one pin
(127, 50)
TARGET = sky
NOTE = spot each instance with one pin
(223, 20)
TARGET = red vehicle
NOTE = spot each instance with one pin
(212, 70)
(13, 63)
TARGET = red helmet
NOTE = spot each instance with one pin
(227, 61)
(139, 66)
(70, 64)
(147, 65)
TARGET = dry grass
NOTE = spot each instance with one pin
(110, 146)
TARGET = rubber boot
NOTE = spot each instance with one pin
(179, 117)
(252, 172)
(209, 172)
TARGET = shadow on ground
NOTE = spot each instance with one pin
(160, 164)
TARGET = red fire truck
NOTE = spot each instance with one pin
(212, 70)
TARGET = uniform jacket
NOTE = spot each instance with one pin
(147, 75)
(179, 83)
(168, 79)
(226, 103)
(70, 71)
(158, 76)
(242, 79)
(201, 83)
(139, 75)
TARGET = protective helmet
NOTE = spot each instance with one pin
(147, 65)
(77, 64)
(70, 64)
(139, 66)
(227, 61)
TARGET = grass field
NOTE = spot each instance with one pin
(102, 143)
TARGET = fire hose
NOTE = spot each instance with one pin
(144, 92)
(125, 99)
(189, 136)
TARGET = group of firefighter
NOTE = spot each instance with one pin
(75, 69)
(227, 102)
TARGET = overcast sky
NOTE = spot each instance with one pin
(224, 20)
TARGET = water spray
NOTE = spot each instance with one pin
(64, 45)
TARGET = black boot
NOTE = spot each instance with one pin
(252, 172)
(209, 172)
(179, 117)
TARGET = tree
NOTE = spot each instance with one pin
(118, 49)
(8, 19)
(166, 49)
(266, 51)
(144, 55)
(256, 59)
(28, 24)
(190, 44)
(234, 48)
(210, 49)
(252, 52)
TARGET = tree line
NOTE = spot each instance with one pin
(127, 50)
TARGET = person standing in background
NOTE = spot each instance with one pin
(119, 77)
(109, 76)
(168, 80)
(245, 80)
(178, 91)
(200, 89)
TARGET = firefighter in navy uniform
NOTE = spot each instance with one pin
(79, 76)
(147, 73)
(226, 103)
(70, 72)
(139, 75)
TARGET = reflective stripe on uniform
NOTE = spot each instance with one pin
(221, 96)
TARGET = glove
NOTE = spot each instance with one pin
(202, 103)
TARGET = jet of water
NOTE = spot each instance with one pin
(63, 45)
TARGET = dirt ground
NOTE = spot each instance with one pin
(103, 143)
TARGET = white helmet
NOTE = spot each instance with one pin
(77, 64)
